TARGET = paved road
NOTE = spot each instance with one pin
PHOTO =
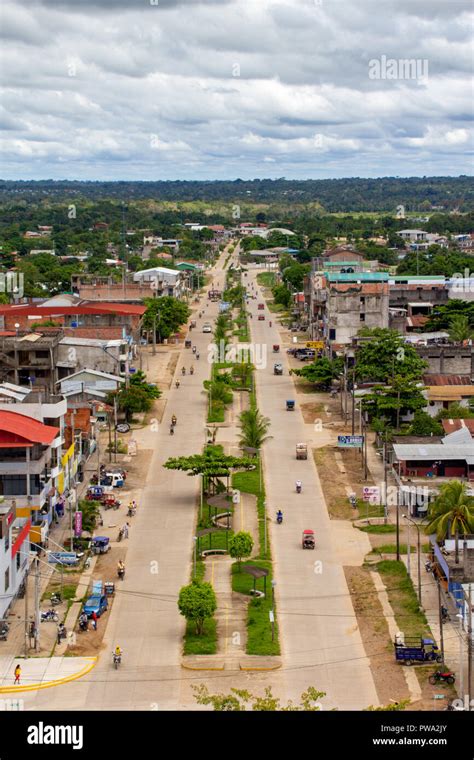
(321, 643)
(144, 619)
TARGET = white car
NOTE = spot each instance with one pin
(207, 328)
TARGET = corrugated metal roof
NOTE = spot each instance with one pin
(433, 380)
(26, 427)
(434, 451)
(450, 392)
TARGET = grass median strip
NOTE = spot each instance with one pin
(259, 627)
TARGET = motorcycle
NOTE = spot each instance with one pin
(445, 616)
(446, 676)
(4, 628)
(83, 625)
(171, 429)
(121, 573)
(131, 512)
(55, 599)
(197, 355)
(194, 349)
(117, 660)
(120, 535)
(299, 486)
(49, 616)
(269, 324)
(353, 501)
(183, 371)
(177, 383)
(428, 566)
(279, 518)
(174, 420)
(191, 371)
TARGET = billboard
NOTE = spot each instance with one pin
(350, 441)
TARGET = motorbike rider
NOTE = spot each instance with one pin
(174, 419)
(197, 354)
(279, 516)
(299, 486)
(194, 349)
(191, 370)
(83, 622)
(117, 653)
(177, 383)
(121, 568)
(183, 370)
(171, 429)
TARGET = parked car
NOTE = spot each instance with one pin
(96, 603)
(261, 317)
(278, 369)
(261, 306)
(207, 327)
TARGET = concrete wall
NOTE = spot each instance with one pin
(92, 357)
(448, 360)
(344, 310)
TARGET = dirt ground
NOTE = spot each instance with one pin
(387, 673)
(90, 642)
(388, 678)
(335, 482)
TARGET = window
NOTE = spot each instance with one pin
(361, 317)
(18, 560)
(7, 579)
(7, 539)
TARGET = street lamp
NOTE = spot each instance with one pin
(195, 553)
(274, 583)
(405, 517)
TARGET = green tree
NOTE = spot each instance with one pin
(197, 602)
(167, 314)
(452, 511)
(424, 424)
(240, 700)
(134, 399)
(253, 428)
(138, 380)
(460, 329)
(240, 546)
(321, 372)
(90, 515)
(282, 295)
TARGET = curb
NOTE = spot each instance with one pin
(49, 684)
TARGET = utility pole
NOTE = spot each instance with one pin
(440, 615)
(385, 511)
(115, 430)
(154, 334)
(469, 646)
(27, 633)
(398, 523)
(37, 605)
(353, 401)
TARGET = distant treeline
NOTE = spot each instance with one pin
(355, 194)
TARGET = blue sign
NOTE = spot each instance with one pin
(350, 441)
(62, 558)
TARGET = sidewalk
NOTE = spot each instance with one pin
(42, 672)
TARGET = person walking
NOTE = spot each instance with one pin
(17, 675)
(125, 529)
(94, 620)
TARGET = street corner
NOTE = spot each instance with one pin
(42, 672)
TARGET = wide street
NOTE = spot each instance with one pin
(320, 638)
(320, 641)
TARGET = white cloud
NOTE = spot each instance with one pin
(230, 87)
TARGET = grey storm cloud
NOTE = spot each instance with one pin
(221, 88)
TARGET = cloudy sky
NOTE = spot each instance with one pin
(220, 89)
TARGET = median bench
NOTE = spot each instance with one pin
(207, 552)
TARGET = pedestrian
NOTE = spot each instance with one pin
(125, 530)
(17, 675)
(94, 620)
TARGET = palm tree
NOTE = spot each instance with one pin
(459, 328)
(452, 512)
(254, 428)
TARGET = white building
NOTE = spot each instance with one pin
(163, 281)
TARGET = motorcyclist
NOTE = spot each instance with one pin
(174, 419)
(171, 429)
(270, 324)
(191, 370)
(197, 354)
(279, 516)
(183, 370)
(121, 568)
(299, 486)
(194, 349)
(177, 383)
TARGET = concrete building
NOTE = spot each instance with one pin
(30, 359)
(341, 304)
(163, 281)
(14, 553)
(110, 356)
(447, 359)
